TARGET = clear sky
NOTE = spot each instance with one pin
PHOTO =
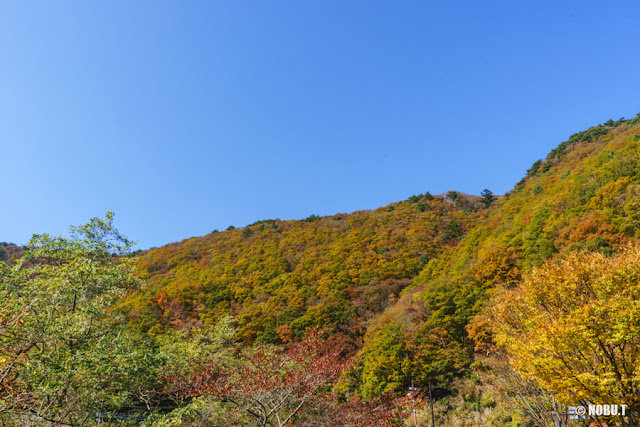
(189, 116)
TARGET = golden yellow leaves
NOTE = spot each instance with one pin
(574, 326)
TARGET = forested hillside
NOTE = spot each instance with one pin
(280, 278)
(412, 278)
(585, 196)
(9, 252)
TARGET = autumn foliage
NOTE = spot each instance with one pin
(276, 386)
(574, 328)
(334, 272)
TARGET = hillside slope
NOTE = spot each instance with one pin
(278, 278)
(9, 252)
(584, 196)
(409, 278)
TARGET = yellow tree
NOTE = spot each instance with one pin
(573, 327)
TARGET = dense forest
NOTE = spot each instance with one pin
(489, 310)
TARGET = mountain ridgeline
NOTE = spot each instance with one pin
(405, 285)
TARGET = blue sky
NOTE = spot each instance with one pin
(184, 117)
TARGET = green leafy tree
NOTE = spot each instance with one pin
(64, 353)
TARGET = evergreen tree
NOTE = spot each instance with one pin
(487, 197)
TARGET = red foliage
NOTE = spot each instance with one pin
(294, 383)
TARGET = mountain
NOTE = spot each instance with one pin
(405, 285)
(279, 278)
(9, 252)
(584, 196)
